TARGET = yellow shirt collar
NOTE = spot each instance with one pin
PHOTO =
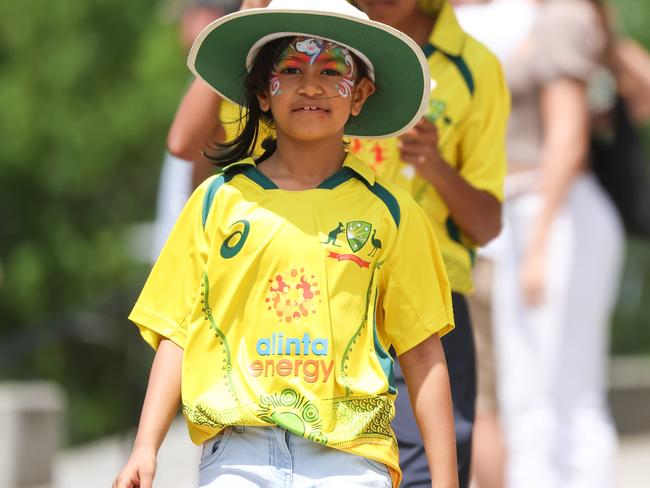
(351, 161)
(447, 35)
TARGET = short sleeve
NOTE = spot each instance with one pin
(568, 41)
(482, 144)
(164, 305)
(417, 297)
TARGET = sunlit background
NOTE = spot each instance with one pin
(88, 89)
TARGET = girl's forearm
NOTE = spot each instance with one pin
(425, 372)
(162, 398)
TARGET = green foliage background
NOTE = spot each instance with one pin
(87, 91)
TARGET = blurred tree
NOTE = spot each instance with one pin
(87, 90)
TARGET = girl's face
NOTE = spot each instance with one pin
(314, 88)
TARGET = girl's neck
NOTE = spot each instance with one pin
(418, 26)
(303, 165)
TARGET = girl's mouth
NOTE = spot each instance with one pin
(309, 108)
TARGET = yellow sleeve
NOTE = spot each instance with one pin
(417, 298)
(483, 134)
(169, 295)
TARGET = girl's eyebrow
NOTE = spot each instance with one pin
(297, 57)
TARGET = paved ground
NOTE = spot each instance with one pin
(96, 465)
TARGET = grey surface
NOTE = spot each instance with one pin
(30, 431)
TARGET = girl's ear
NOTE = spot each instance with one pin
(264, 101)
(362, 91)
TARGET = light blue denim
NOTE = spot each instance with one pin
(270, 457)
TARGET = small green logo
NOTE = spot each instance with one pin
(235, 241)
(436, 110)
(357, 233)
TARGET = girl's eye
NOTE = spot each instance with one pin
(290, 71)
(331, 72)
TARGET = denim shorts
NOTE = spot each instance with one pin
(271, 457)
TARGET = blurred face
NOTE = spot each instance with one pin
(391, 12)
(313, 89)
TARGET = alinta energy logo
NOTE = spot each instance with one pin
(293, 296)
(357, 234)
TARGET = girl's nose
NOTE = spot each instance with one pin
(310, 85)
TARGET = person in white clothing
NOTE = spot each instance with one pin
(559, 257)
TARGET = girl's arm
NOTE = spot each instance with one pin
(425, 372)
(565, 116)
(160, 406)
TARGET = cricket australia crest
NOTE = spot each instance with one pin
(357, 233)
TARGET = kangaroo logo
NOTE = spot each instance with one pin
(334, 233)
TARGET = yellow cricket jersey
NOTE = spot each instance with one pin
(286, 304)
(470, 104)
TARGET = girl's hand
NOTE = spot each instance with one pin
(138, 471)
(246, 4)
(533, 277)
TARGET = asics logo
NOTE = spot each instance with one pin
(236, 240)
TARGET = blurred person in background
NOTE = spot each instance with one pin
(203, 119)
(491, 23)
(559, 258)
(453, 164)
(178, 176)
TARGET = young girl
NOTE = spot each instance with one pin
(288, 278)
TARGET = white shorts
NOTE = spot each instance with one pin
(271, 457)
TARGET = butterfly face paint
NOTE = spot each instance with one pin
(330, 59)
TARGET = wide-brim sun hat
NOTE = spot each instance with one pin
(225, 50)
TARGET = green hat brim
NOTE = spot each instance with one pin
(219, 54)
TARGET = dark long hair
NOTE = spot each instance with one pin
(251, 116)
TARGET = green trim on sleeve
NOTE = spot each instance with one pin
(385, 359)
(209, 197)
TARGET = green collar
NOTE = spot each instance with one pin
(351, 162)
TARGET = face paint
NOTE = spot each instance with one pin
(274, 84)
(311, 47)
(329, 55)
(346, 85)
